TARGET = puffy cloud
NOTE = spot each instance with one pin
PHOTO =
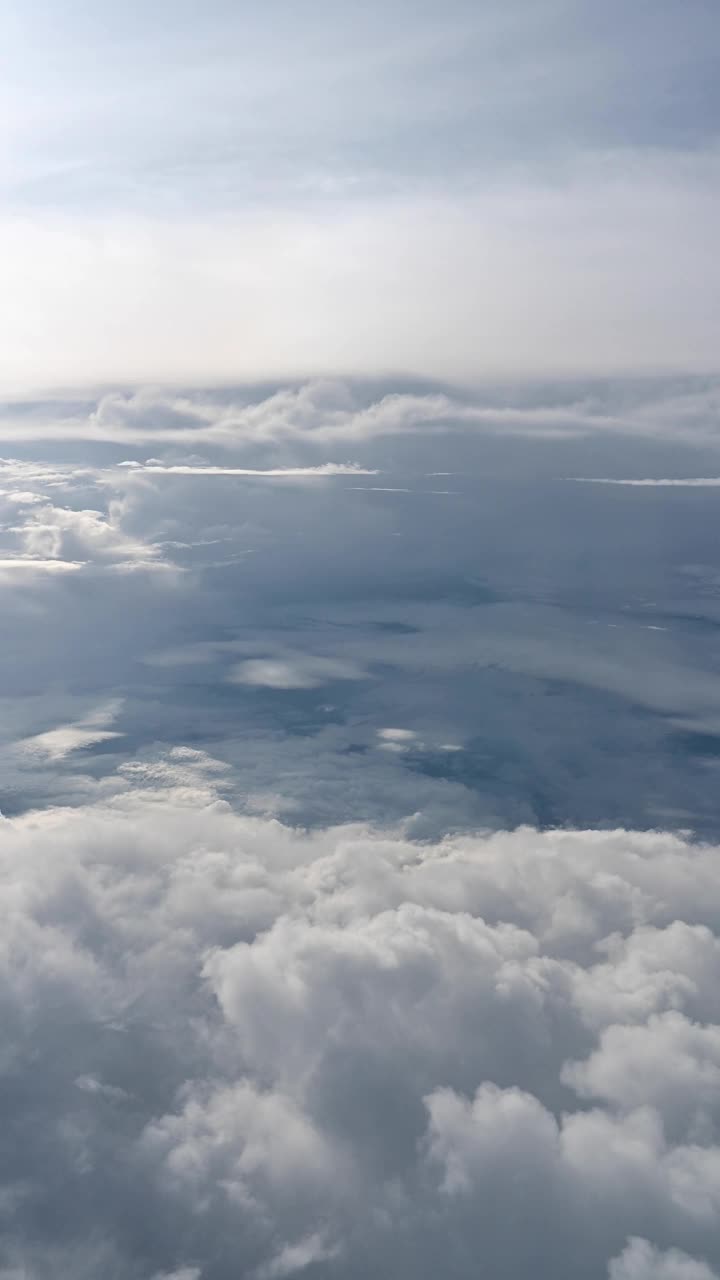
(48, 537)
(231, 1047)
(668, 1061)
(61, 533)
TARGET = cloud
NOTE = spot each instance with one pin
(63, 533)
(22, 498)
(185, 1273)
(339, 412)
(707, 482)
(90, 729)
(560, 273)
(678, 1062)
(295, 671)
(245, 1049)
(397, 740)
(50, 538)
(300, 473)
(296, 1257)
(324, 411)
(35, 564)
(640, 1261)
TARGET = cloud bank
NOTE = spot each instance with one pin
(247, 1050)
(278, 423)
(511, 278)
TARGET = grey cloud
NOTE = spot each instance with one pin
(640, 1261)
(671, 1062)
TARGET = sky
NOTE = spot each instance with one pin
(221, 191)
(359, 622)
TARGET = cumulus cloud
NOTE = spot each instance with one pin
(245, 1049)
(44, 536)
(62, 533)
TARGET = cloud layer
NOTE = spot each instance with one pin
(247, 1050)
(279, 427)
(333, 188)
(520, 278)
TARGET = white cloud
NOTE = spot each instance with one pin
(56, 744)
(22, 498)
(290, 473)
(295, 671)
(45, 537)
(35, 564)
(397, 741)
(63, 533)
(345, 1051)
